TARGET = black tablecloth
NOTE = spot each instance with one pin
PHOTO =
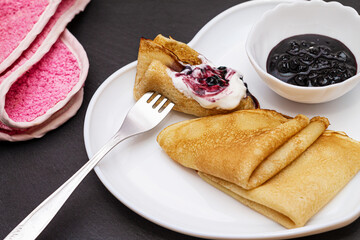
(30, 171)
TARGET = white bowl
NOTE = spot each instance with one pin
(289, 19)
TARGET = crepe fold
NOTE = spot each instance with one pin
(285, 168)
(246, 147)
(27, 37)
(159, 56)
(299, 191)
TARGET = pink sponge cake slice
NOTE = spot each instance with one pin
(20, 22)
(47, 87)
(57, 119)
(43, 42)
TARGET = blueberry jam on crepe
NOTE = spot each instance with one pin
(206, 81)
(211, 86)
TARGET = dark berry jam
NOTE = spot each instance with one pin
(311, 60)
(205, 80)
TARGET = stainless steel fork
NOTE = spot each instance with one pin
(148, 112)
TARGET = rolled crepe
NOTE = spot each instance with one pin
(246, 147)
(300, 190)
(288, 152)
(157, 57)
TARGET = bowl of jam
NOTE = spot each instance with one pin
(307, 52)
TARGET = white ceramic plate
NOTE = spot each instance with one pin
(146, 180)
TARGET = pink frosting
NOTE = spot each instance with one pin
(58, 118)
(17, 18)
(44, 85)
(28, 53)
(3, 127)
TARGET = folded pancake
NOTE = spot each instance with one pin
(245, 147)
(181, 50)
(57, 119)
(300, 190)
(164, 63)
(288, 152)
(21, 21)
(47, 87)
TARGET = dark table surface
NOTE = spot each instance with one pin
(30, 171)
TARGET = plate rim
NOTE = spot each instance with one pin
(285, 233)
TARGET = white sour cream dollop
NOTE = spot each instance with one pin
(227, 97)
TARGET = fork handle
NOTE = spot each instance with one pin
(40, 217)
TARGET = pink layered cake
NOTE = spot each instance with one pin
(47, 87)
(20, 22)
(57, 119)
(65, 12)
(42, 87)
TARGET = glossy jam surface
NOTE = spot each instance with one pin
(210, 86)
(206, 80)
(311, 60)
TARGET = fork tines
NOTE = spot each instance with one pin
(158, 101)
